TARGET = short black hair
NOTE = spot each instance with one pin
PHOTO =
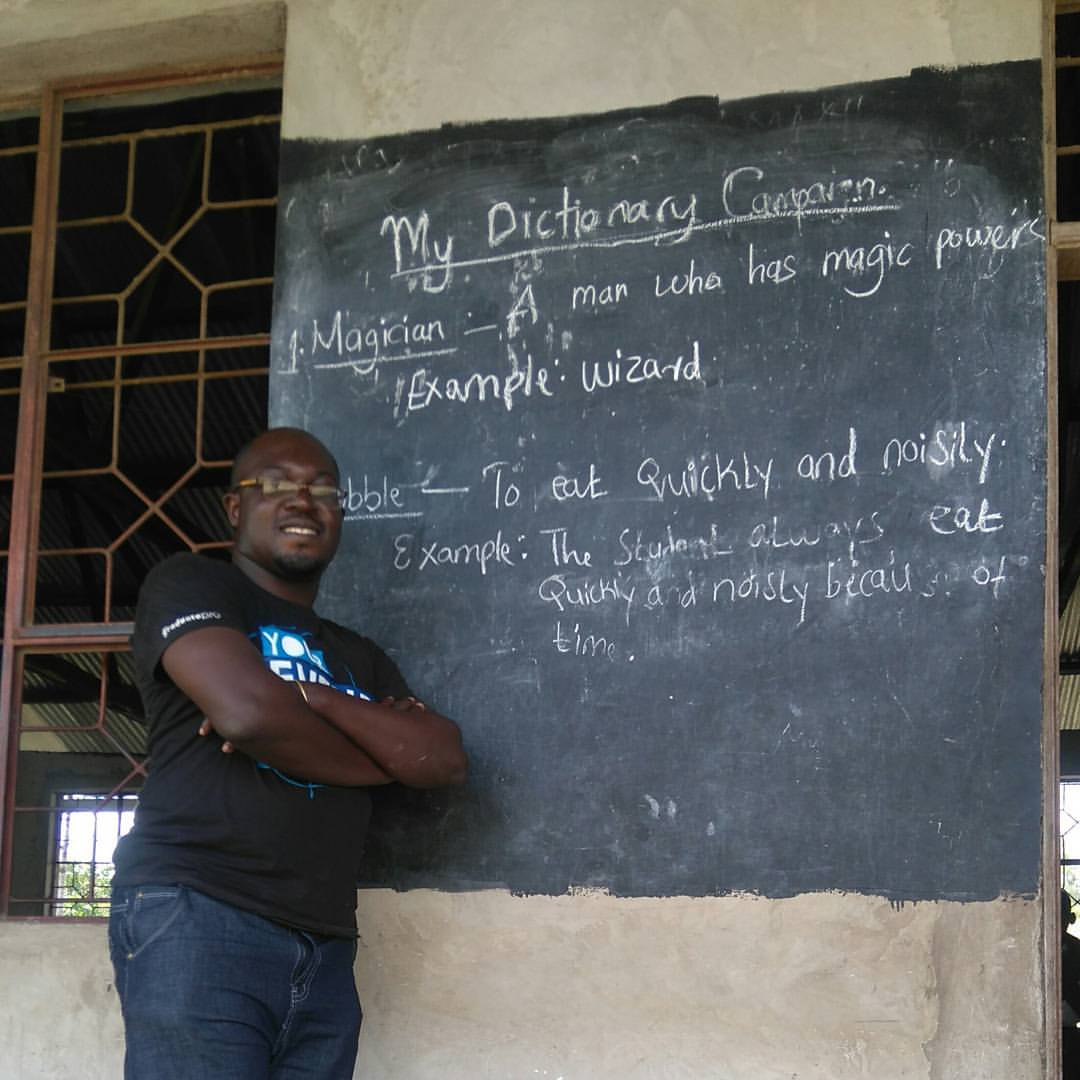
(238, 469)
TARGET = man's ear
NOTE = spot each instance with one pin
(231, 501)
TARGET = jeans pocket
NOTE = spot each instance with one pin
(119, 945)
(151, 910)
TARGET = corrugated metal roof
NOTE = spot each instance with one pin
(1068, 688)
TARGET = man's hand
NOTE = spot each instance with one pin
(206, 728)
(410, 742)
(404, 704)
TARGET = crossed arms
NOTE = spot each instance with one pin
(331, 739)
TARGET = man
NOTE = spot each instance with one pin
(233, 924)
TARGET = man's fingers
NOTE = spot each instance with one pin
(404, 703)
(205, 728)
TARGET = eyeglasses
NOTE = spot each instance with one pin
(274, 488)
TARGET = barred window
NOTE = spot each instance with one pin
(136, 275)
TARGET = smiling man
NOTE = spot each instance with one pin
(233, 917)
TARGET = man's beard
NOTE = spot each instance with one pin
(298, 567)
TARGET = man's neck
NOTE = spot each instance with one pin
(300, 591)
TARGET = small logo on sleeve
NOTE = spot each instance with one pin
(198, 616)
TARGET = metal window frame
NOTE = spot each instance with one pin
(20, 636)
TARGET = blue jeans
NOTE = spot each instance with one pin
(210, 992)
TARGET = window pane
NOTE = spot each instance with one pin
(1068, 106)
(18, 160)
(1068, 187)
(1067, 30)
(163, 235)
(80, 764)
(9, 413)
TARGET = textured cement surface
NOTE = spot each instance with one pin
(470, 985)
(358, 70)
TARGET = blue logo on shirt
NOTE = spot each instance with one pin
(290, 654)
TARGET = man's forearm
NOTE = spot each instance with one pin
(414, 745)
(322, 754)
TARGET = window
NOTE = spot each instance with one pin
(1069, 829)
(136, 274)
(89, 825)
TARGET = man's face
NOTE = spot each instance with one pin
(293, 537)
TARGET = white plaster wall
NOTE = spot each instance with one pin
(487, 985)
(44, 41)
(380, 66)
(821, 987)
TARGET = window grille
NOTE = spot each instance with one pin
(134, 338)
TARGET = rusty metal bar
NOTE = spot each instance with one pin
(69, 637)
(25, 497)
(250, 67)
(95, 352)
(179, 129)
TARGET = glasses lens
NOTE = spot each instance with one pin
(272, 487)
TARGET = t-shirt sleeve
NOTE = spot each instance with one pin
(183, 594)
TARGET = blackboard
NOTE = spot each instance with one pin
(695, 460)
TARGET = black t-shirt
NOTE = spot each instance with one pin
(225, 824)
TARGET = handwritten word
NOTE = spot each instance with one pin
(866, 583)
(589, 645)
(995, 238)
(371, 342)
(423, 389)
(708, 479)
(770, 586)
(826, 466)
(574, 222)
(494, 550)
(639, 369)
(362, 347)
(419, 252)
(570, 487)
(690, 283)
(370, 500)
(946, 447)
(587, 296)
(983, 575)
(635, 549)
(820, 194)
(506, 494)
(555, 589)
(562, 553)
(946, 520)
(775, 270)
(770, 534)
(672, 595)
(524, 304)
(861, 261)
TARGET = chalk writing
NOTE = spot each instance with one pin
(636, 368)
(707, 477)
(868, 265)
(588, 645)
